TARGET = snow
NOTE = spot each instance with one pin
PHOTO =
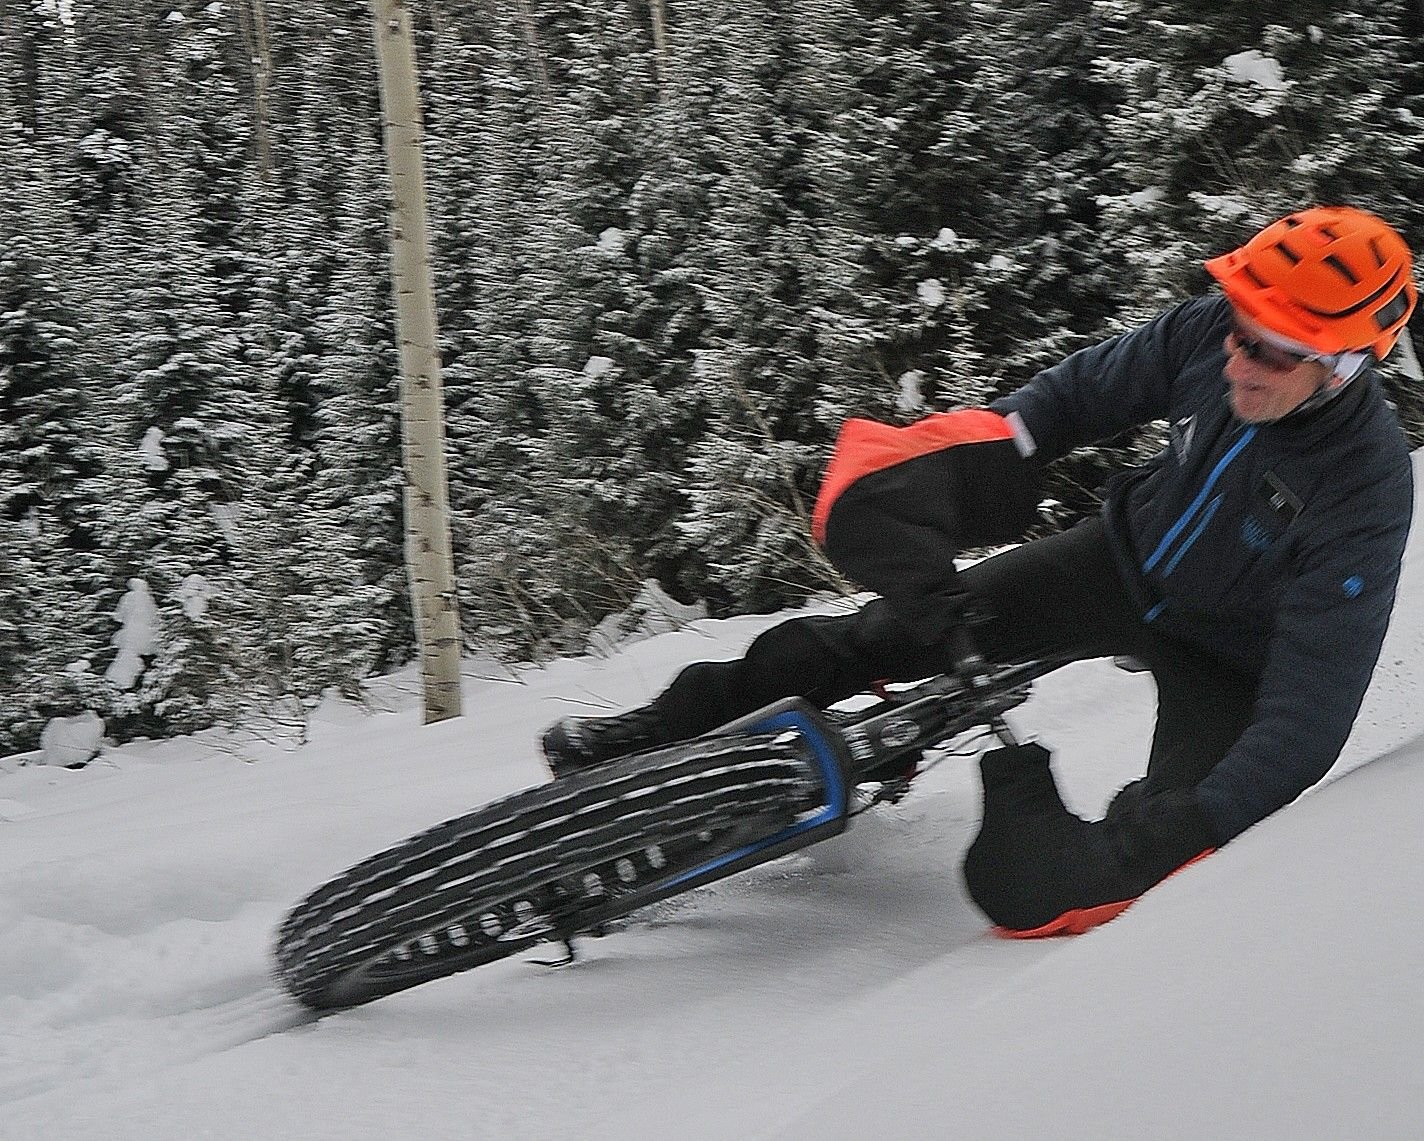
(612, 241)
(931, 293)
(1260, 73)
(851, 990)
(63, 9)
(1226, 207)
(228, 519)
(137, 635)
(71, 740)
(653, 611)
(598, 366)
(1255, 67)
(910, 396)
(150, 451)
(193, 594)
(1408, 356)
(946, 239)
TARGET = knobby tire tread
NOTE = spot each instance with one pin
(473, 863)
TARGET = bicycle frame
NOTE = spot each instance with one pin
(847, 749)
(937, 710)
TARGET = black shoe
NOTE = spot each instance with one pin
(572, 744)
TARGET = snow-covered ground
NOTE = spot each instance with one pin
(848, 991)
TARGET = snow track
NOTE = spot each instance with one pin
(1269, 992)
(126, 1046)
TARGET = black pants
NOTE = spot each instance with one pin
(1058, 596)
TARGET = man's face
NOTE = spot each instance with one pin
(1267, 387)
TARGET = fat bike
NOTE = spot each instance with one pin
(562, 860)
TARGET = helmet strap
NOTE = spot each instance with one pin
(1331, 387)
(1350, 365)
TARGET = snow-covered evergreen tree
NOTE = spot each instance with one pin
(497, 268)
(45, 453)
(1049, 281)
(913, 175)
(568, 410)
(668, 266)
(1224, 127)
(183, 401)
(754, 120)
(51, 471)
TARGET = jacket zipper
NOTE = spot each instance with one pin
(1175, 531)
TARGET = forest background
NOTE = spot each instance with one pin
(675, 246)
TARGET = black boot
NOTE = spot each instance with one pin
(572, 744)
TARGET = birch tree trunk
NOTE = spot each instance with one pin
(260, 56)
(658, 13)
(535, 49)
(429, 562)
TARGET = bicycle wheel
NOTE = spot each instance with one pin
(539, 865)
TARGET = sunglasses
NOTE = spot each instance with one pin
(1268, 355)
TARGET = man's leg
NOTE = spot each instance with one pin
(825, 658)
(1203, 707)
(822, 658)
(1060, 595)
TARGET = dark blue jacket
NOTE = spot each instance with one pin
(1274, 547)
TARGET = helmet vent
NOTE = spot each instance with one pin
(1290, 254)
(1379, 255)
(1342, 269)
(1376, 298)
(1392, 310)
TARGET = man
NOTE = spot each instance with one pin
(1251, 566)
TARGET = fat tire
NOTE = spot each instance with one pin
(473, 889)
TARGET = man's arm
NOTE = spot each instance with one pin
(1329, 629)
(1118, 384)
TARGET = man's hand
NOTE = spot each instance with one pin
(1037, 869)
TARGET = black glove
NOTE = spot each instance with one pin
(1157, 832)
(1036, 868)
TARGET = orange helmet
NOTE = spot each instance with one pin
(1334, 278)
